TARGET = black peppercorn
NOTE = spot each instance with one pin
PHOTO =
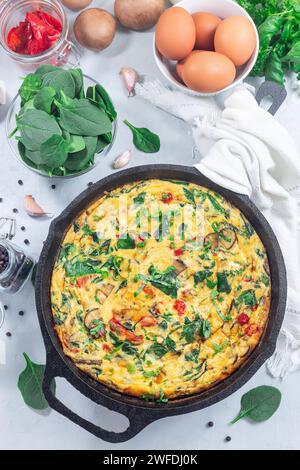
(8, 334)
(4, 258)
(21, 313)
(23, 228)
(1, 200)
(53, 186)
(20, 182)
(90, 184)
(228, 439)
(27, 242)
(5, 307)
(15, 210)
(210, 424)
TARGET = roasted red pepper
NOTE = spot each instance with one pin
(251, 329)
(180, 306)
(178, 252)
(115, 325)
(37, 33)
(243, 319)
(167, 198)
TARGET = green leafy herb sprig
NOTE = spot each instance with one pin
(60, 126)
(278, 23)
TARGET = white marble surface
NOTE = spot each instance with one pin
(23, 428)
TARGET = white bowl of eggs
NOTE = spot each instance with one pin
(205, 47)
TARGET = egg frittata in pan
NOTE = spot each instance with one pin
(160, 289)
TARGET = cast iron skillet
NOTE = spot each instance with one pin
(139, 412)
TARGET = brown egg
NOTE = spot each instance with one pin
(235, 37)
(76, 5)
(207, 72)
(175, 34)
(206, 25)
(180, 65)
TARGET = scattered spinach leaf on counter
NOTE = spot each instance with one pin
(259, 404)
(59, 131)
(30, 385)
(143, 139)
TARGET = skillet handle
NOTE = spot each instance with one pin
(137, 419)
(277, 92)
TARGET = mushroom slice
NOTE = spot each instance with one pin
(106, 289)
(212, 239)
(242, 349)
(179, 265)
(267, 267)
(91, 316)
(233, 358)
(227, 238)
(89, 362)
(103, 292)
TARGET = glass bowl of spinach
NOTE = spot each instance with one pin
(61, 122)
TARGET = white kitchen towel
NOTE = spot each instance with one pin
(249, 152)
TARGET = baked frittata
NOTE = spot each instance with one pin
(160, 289)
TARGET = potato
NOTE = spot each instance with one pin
(139, 15)
(95, 29)
(76, 4)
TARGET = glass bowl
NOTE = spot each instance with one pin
(14, 109)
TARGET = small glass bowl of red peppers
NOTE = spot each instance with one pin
(35, 32)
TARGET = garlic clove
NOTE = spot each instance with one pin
(122, 160)
(130, 78)
(32, 207)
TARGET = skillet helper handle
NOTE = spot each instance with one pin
(277, 92)
(137, 419)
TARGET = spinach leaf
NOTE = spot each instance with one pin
(126, 243)
(201, 276)
(194, 328)
(44, 69)
(259, 404)
(139, 199)
(30, 385)
(101, 143)
(99, 96)
(248, 297)
(44, 98)
(60, 80)
(54, 151)
(222, 283)
(165, 281)
(215, 204)
(82, 268)
(273, 69)
(104, 248)
(159, 350)
(189, 195)
(30, 86)
(78, 80)
(78, 160)
(36, 127)
(76, 143)
(143, 139)
(83, 118)
(193, 355)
